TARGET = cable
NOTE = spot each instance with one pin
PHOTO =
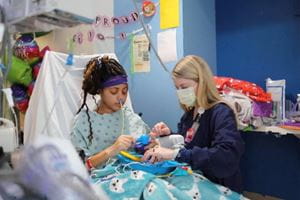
(17, 125)
(123, 117)
(147, 34)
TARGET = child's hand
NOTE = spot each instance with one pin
(123, 142)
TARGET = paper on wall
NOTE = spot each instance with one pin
(141, 54)
(167, 45)
(169, 14)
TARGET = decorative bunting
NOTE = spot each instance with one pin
(92, 35)
(109, 21)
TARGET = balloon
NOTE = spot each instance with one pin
(20, 72)
(19, 92)
(43, 51)
(26, 48)
(22, 105)
(36, 70)
(30, 88)
(33, 61)
(20, 97)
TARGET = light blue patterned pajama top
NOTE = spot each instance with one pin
(106, 129)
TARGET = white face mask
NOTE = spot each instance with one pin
(187, 96)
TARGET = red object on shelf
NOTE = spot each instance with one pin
(251, 90)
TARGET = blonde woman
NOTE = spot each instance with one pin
(212, 142)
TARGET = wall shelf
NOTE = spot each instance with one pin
(276, 129)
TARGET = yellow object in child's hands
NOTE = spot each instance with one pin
(130, 156)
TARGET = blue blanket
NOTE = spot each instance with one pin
(121, 182)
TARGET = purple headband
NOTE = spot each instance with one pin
(116, 80)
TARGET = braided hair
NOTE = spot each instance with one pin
(97, 71)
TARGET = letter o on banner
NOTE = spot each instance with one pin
(100, 36)
(115, 20)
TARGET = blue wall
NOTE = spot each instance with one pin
(199, 30)
(259, 39)
(255, 40)
(152, 93)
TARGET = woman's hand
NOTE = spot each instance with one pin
(160, 129)
(123, 142)
(157, 154)
(153, 142)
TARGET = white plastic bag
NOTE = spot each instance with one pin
(51, 167)
(277, 90)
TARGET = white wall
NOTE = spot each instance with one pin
(58, 39)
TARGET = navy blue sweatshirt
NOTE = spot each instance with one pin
(217, 146)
